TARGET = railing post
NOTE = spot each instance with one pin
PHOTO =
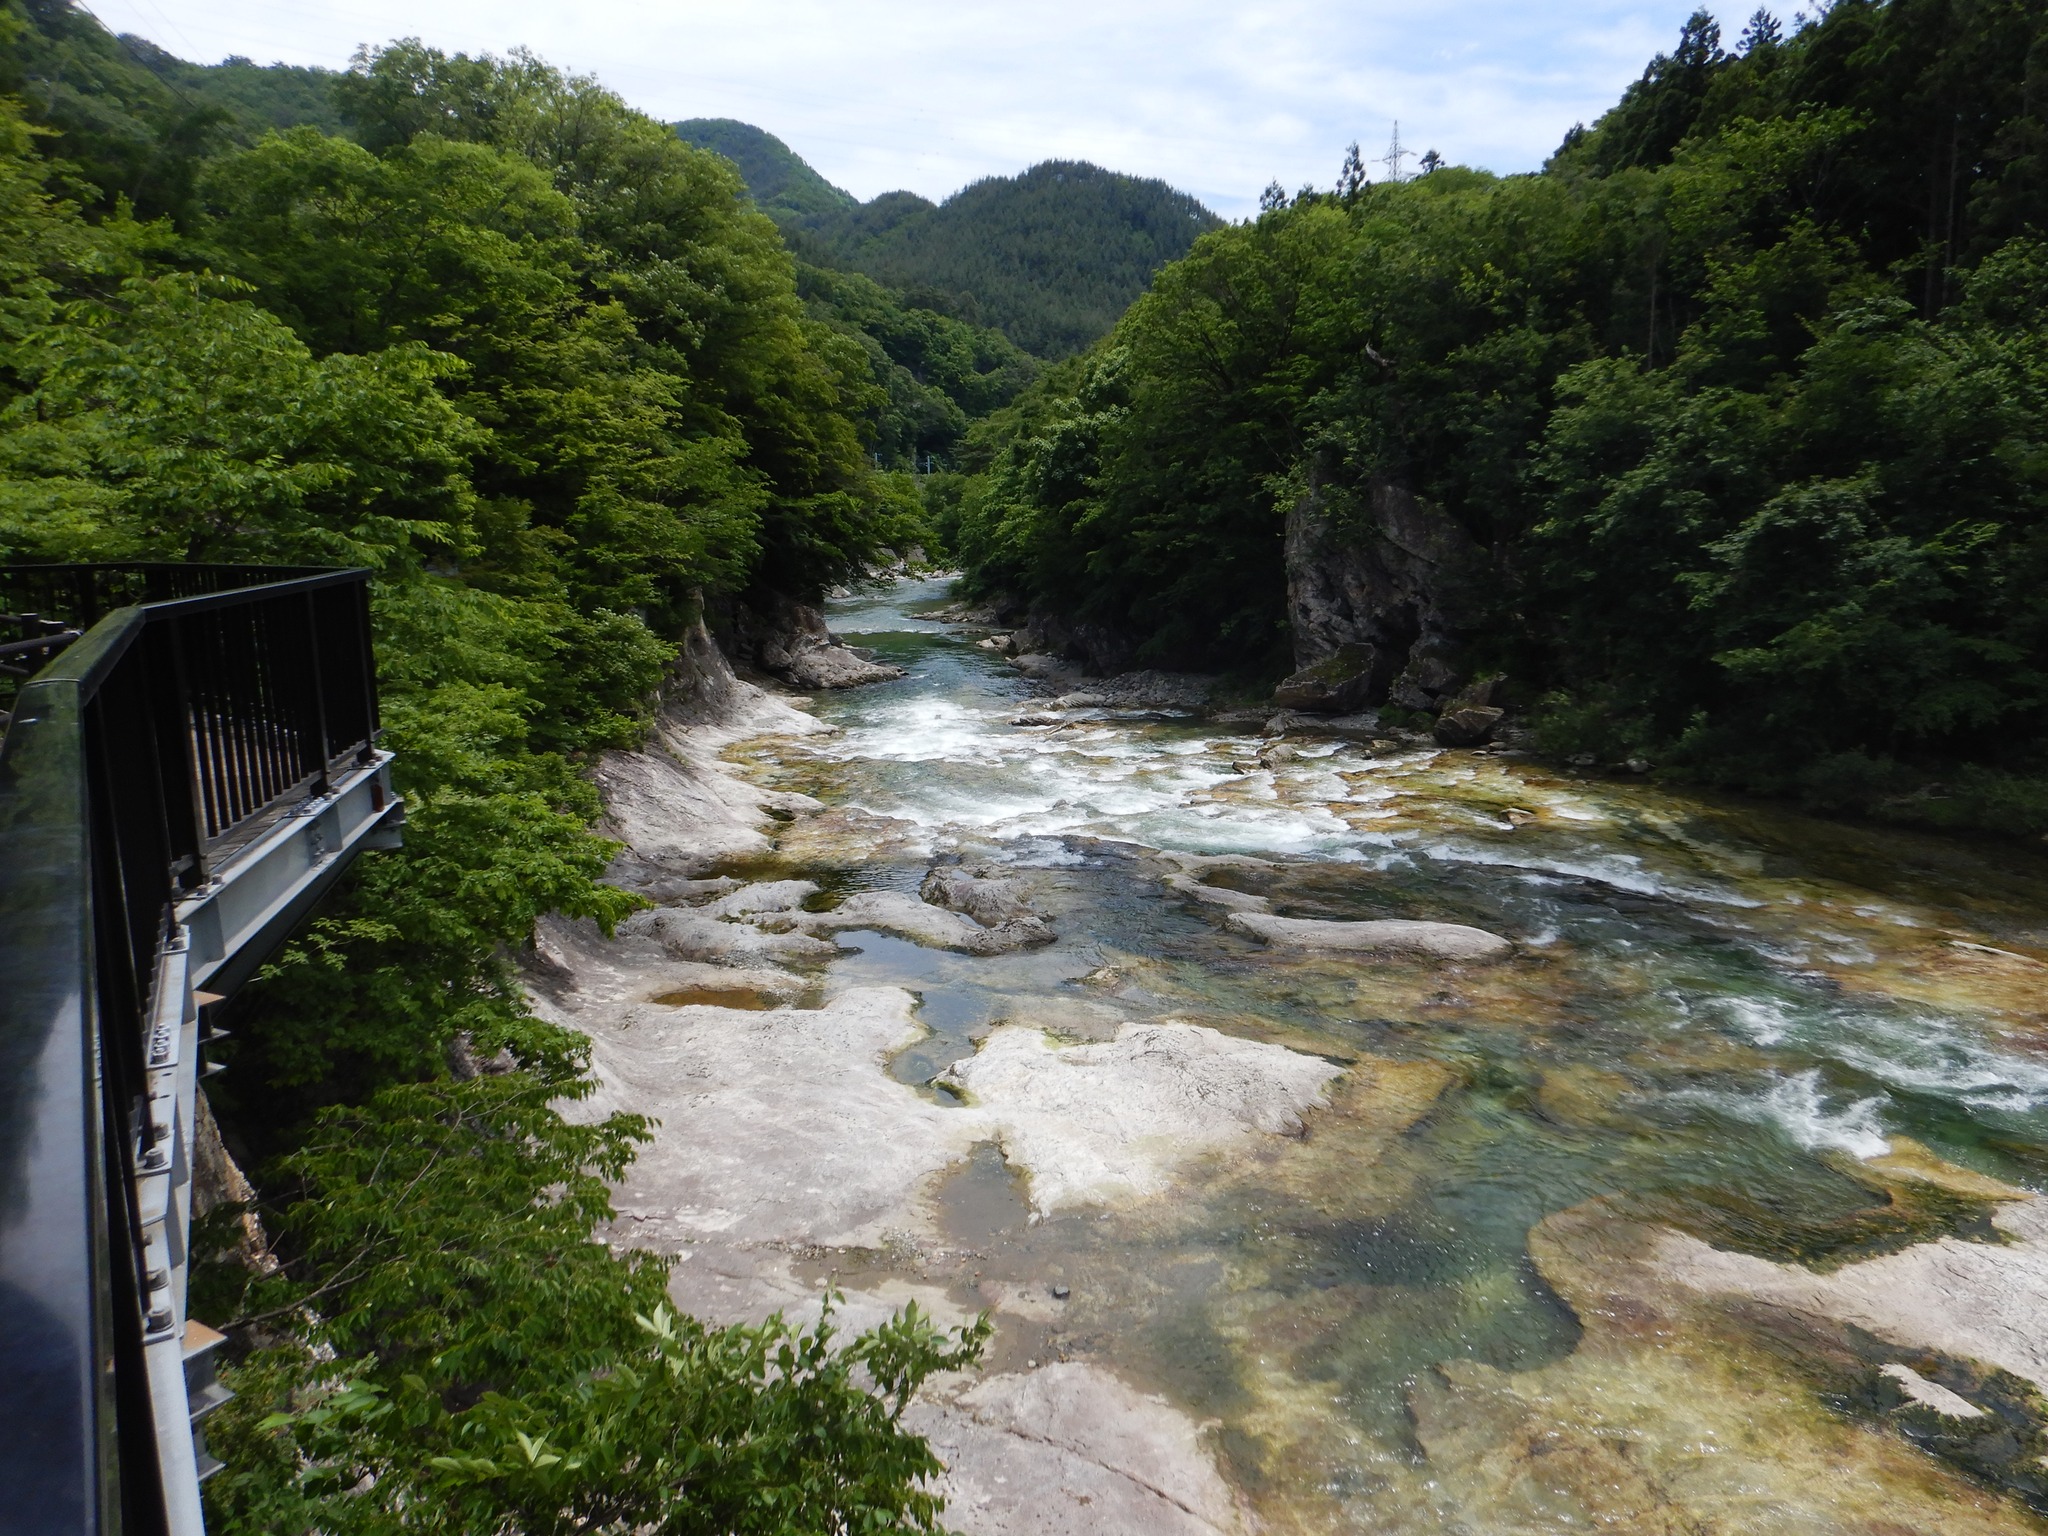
(324, 749)
(178, 712)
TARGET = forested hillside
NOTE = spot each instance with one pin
(543, 369)
(1724, 433)
(1051, 258)
(783, 183)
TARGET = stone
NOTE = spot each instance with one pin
(835, 666)
(1930, 1394)
(1975, 1301)
(1116, 1121)
(762, 896)
(790, 640)
(775, 1127)
(674, 803)
(1335, 685)
(1479, 693)
(1216, 895)
(1676, 1414)
(1396, 936)
(1430, 678)
(848, 835)
(989, 902)
(689, 934)
(1470, 726)
(922, 923)
(1071, 1450)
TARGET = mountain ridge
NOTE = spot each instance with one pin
(1051, 257)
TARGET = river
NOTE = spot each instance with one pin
(1721, 1020)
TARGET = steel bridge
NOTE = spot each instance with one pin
(191, 760)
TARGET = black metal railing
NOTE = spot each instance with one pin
(165, 737)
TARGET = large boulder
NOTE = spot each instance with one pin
(1338, 684)
(789, 639)
(990, 902)
(1469, 726)
(835, 666)
(923, 923)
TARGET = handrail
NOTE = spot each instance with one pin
(144, 760)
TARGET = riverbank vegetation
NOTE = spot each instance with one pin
(1741, 398)
(542, 368)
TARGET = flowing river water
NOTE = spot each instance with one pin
(1720, 1020)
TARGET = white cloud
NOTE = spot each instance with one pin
(1215, 97)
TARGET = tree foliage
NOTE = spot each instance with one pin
(1741, 396)
(541, 368)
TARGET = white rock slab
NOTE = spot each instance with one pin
(1070, 1450)
(1975, 1301)
(1930, 1394)
(922, 923)
(781, 1126)
(1441, 941)
(1115, 1121)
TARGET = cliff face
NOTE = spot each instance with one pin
(1381, 588)
(788, 639)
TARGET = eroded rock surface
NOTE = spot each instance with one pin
(923, 923)
(1676, 1414)
(1978, 1301)
(781, 1126)
(676, 806)
(1441, 941)
(1091, 1455)
(990, 902)
(1117, 1121)
(686, 933)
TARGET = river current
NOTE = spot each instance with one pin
(1718, 1019)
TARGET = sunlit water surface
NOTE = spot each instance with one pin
(1717, 1013)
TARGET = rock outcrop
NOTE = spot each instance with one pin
(676, 807)
(1384, 581)
(990, 902)
(789, 640)
(1147, 690)
(1469, 726)
(1096, 1454)
(1336, 685)
(1099, 648)
(922, 923)
(1116, 1121)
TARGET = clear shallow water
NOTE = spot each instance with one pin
(1718, 1015)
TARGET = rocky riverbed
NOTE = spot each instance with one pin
(1348, 1133)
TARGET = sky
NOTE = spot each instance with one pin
(1217, 97)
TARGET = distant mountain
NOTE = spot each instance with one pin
(258, 96)
(1050, 258)
(137, 120)
(782, 182)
